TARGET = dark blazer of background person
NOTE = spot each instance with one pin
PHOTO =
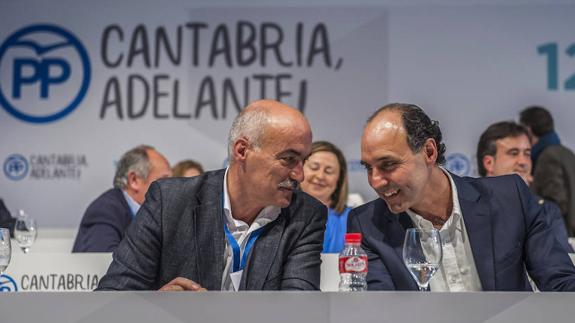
(104, 223)
(554, 179)
(179, 232)
(6, 220)
(553, 163)
(507, 231)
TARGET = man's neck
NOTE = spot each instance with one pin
(437, 203)
(243, 207)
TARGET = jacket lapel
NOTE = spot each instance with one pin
(209, 233)
(394, 236)
(398, 236)
(477, 218)
(263, 254)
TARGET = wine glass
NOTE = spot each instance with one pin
(422, 253)
(25, 231)
(5, 249)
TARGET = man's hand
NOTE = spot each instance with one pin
(181, 284)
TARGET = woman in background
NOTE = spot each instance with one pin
(326, 179)
(187, 168)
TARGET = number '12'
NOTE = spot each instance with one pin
(551, 51)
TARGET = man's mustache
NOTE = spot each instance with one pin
(289, 184)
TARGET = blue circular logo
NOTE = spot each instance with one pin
(7, 284)
(15, 167)
(50, 72)
(458, 164)
(355, 165)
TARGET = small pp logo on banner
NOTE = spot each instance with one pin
(458, 164)
(355, 165)
(7, 284)
(46, 73)
(16, 167)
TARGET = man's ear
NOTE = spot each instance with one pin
(488, 163)
(240, 149)
(430, 150)
(133, 181)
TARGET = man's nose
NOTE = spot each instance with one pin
(524, 160)
(377, 179)
(297, 172)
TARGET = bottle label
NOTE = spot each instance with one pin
(353, 264)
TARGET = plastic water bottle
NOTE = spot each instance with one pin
(352, 265)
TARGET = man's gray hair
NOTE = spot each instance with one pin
(134, 160)
(248, 124)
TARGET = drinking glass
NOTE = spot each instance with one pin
(25, 231)
(5, 249)
(422, 253)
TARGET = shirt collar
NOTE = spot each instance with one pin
(266, 215)
(452, 222)
(134, 206)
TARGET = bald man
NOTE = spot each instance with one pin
(246, 227)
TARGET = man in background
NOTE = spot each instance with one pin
(504, 148)
(553, 163)
(106, 219)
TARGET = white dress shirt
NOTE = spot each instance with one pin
(457, 272)
(241, 232)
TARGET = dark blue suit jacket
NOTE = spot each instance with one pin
(507, 231)
(555, 220)
(104, 223)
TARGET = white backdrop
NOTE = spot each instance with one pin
(467, 65)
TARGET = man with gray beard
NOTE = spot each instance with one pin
(247, 227)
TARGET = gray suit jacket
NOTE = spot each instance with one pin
(179, 232)
(554, 179)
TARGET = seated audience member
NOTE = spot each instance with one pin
(106, 219)
(504, 148)
(246, 227)
(326, 179)
(553, 163)
(6, 219)
(493, 229)
(187, 168)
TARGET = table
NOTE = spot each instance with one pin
(288, 307)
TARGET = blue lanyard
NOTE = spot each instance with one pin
(237, 265)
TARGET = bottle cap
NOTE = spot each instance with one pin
(352, 237)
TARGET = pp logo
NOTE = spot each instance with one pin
(15, 167)
(7, 284)
(45, 73)
(355, 165)
(458, 164)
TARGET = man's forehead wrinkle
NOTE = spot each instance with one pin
(386, 125)
(511, 145)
